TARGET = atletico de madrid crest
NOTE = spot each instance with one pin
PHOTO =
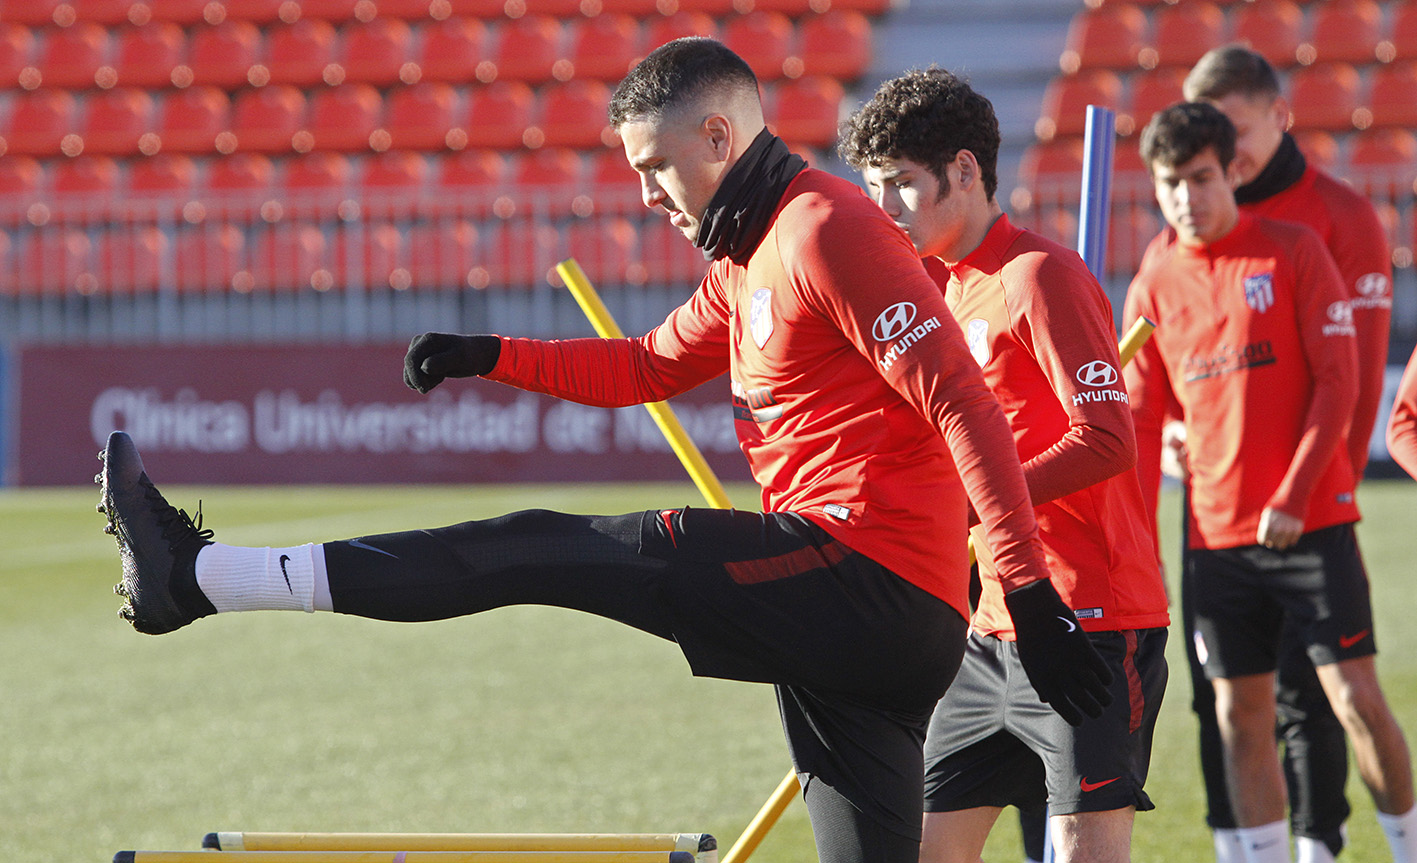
(976, 333)
(760, 316)
(1259, 291)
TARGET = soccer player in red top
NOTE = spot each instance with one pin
(1040, 327)
(1277, 182)
(1255, 345)
(1402, 425)
(861, 415)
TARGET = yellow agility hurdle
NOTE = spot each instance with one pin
(702, 846)
(550, 856)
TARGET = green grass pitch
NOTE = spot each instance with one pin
(519, 720)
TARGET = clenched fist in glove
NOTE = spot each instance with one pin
(1065, 669)
(432, 357)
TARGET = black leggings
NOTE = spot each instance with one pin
(859, 655)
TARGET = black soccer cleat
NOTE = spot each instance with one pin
(157, 543)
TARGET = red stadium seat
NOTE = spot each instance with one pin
(266, 120)
(1186, 31)
(1109, 37)
(1384, 150)
(70, 57)
(1066, 98)
(297, 54)
(131, 258)
(145, 56)
(615, 187)
(208, 257)
(763, 39)
(184, 12)
(54, 260)
(667, 28)
(548, 180)
(466, 183)
(1151, 91)
(442, 253)
(519, 253)
(38, 122)
(255, 11)
(666, 255)
(481, 9)
(344, 117)
(316, 183)
(807, 110)
(237, 185)
(408, 10)
(329, 10)
(221, 56)
(394, 184)
(374, 52)
(167, 181)
(1129, 229)
(116, 119)
(1272, 28)
(1324, 96)
(1344, 30)
(836, 44)
(16, 51)
(603, 48)
(367, 254)
(637, 9)
(422, 116)
(498, 114)
(1056, 163)
(451, 50)
(573, 114)
(1320, 148)
(1401, 42)
(715, 8)
(286, 257)
(527, 48)
(21, 179)
(85, 188)
(192, 119)
(107, 12)
(604, 246)
(31, 13)
(1392, 96)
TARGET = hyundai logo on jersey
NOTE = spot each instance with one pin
(893, 321)
(1098, 373)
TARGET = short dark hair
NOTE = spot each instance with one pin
(927, 117)
(1178, 134)
(674, 74)
(1231, 69)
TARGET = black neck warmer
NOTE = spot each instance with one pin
(735, 220)
(1283, 171)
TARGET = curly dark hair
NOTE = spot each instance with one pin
(927, 117)
(675, 73)
(1178, 134)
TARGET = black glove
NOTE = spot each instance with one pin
(432, 357)
(1063, 666)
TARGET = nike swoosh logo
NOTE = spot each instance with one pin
(357, 544)
(1093, 786)
(1071, 625)
(283, 559)
(1260, 846)
(1346, 641)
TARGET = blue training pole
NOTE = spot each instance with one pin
(1096, 188)
(1092, 234)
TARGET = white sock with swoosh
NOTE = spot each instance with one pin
(1401, 832)
(1267, 843)
(257, 579)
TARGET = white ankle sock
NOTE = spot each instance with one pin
(1227, 845)
(259, 579)
(1310, 850)
(1267, 843)
(1401, 833)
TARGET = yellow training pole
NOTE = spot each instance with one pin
(543, 842)
(1134, 339)
(693, 460)
(712, 490)
(765, 819)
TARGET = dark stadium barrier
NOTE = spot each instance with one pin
(331, 414)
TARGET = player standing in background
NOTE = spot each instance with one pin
(1275, 181)
(1255, 345)
(1402, 425)
(1040, 327)
(862, 417)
